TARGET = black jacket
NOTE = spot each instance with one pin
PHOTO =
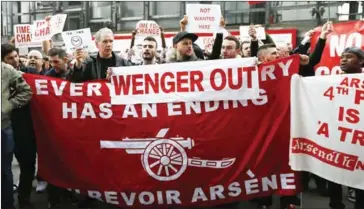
(91, 68)
(315, 58)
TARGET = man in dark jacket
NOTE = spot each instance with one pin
(351, 61)
(95, 67)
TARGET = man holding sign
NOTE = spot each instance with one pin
(351, 61)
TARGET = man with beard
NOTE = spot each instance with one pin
(149, 50)
(351, 61)
(183, 48)
(35, 60)
(95, 66)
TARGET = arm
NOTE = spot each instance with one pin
(46, 46)
(133, 33)
(315, 57)
(164, 45)
(254, 48)
(216, 49)
(23, 91)
(268, 39)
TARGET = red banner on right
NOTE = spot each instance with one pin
(345, 34)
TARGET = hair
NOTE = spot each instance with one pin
(236, 40)
(242, 43)
(37, 53)
(7, 49)
(57, 52)
(264, 47)
(150, 38)
(101, 32)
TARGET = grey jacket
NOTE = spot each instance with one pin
(91, 68)
(15, 92)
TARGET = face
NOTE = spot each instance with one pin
(12, 59)
(283, 51)
(105, 45)
(350, 63)
(58, 64)
(184, 47)
(47, 65)
(245, 50)
(148, 50)
(229, 49)
(270, 55)
(35, 61)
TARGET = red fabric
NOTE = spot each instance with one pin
(336, 42)
(256, 135)
(255, 2)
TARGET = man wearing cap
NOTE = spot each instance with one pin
(183, 48)
(351, 61)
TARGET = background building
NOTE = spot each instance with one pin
(123, 16)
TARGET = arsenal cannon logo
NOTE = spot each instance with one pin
(165, 159)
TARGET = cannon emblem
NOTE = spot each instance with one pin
(165, 159)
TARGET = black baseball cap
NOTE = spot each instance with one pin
(184, 34)
(355, 50)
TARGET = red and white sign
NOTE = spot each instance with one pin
(23, 36)
(345, 34)
(187, 82)
(148, 28)
(44, 30)
(203, 18)
(165, 155)
(328, 127)
(244, 33)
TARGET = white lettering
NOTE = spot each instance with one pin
(266, 182)
(268, 71)
(211, 106)
(142, 198)
(198, 194)
(105, 111)
(76, 89)
(111, 198)
(172, 109)
(234, 189)
(286, 179)
(130, 111)
(196, 106)
(58, 91)
(339, 43)
(173, 196)
(66, 110)
(216, 191)
(95, 195)
(250, 185)
(94, 89)
(41, 87)
(285, 67)
(149, 108)
(88, 111)
(129, 201)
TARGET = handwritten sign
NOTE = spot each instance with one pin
(203, 18)
(147, 28)
(244, 33)
(44, 30)
(77, 39)
(57, 23)
(23, 35)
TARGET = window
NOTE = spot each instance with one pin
(165, 8)
(131, 9)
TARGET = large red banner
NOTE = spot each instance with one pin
(345, 34)
(163, 155)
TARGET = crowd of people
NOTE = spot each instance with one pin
(18, 137)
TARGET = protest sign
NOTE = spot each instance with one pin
(76, 39)
(345, 34)
(328, 127)
(203, 18)
(44, 30)
(165, 155)
(186, 82)
(57, 23)
(148, 28)
(22, 35)
(244, 33)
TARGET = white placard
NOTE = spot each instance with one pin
(203, 18)
(147, 28)
(77, 39)
(235, 79)
(244, 33)
(23, 36)
(43, 30)
(327, 127)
